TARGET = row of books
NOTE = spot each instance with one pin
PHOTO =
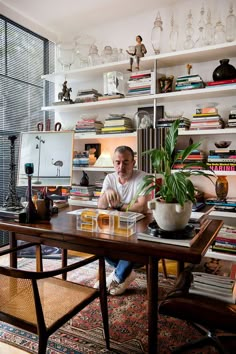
(222, 160)
(210, 120)
(140, 83)
(214, 286)
(117, 124)
(193, 159)
(189, 82)
(225, 240)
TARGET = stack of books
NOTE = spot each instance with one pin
(225, 240)
(222, 160)
(167, 122)
(189, 82)
(207, 118)
(214, 286)
(117, 124)
(89, 95)
(193, 159)
(82, 192)
(232, 119)
(221, 83)
(198, 219)
(110, 97)
(98, 189)
(91, 126)
(140, 83)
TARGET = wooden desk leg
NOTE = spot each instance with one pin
(152, 291)
(39, 258)
(64, 257)
(13, 255)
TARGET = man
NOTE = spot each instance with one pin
(119, 188)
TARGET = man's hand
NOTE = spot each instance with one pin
(110, 198)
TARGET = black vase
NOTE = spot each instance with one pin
(224, 71)
(84, 180)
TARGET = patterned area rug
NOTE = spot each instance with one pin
(127, 316)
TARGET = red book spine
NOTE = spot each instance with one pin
(221, 82)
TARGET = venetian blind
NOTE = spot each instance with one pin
(24, 57)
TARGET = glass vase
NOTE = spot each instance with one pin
(219, 34)
(173, 36)
(209, 31)
(230, 25)
(221, 187)
(156, 34)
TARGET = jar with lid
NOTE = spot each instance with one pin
(156, 34)
(219, 34)
(221, 187)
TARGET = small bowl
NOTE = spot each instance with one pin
(223, 144)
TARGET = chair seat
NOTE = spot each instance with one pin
(202, 310)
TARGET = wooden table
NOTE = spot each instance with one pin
(61, 232)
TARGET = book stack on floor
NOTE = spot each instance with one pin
(90, 95)
(206, 118)
(193, 158)
(82, 192)
(88, 126)
(116, 123)
(222, 160)
(225, 240)
(189, 82)
(214, 286)
(232, 119)
(221, 83)
(140, 83)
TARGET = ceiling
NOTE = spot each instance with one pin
(66, 17)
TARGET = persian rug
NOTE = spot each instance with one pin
(127, 318)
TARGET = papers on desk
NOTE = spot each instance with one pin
(171, 241)
(228, 217)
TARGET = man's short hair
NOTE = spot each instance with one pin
(123, 148)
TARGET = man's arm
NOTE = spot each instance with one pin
(109, 198)
(140, 205)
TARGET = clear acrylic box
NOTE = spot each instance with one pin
(110, 222)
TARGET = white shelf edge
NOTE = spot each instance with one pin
(104, 136)
(207, 132)
(226, 90)
(93, 169)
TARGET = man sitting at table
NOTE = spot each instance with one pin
(119, 188)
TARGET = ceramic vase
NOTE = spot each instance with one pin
(224, 71)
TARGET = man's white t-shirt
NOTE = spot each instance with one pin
(126, 191)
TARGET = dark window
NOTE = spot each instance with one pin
(24, 58)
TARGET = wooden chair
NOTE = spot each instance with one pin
(41, 303)
(213, 318)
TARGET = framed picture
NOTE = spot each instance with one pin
(51, 153)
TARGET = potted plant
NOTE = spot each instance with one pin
(174, 192)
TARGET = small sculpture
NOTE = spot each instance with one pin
(84, 180)
(189, 67)
(65, 93)
(139, 50)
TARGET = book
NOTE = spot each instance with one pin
(115, 128)
(214, 286)
(221, 82)
(205, 110)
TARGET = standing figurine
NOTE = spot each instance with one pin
(139, 52)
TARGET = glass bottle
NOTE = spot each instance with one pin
(121, 55)
(156, 34)
(230, 25)
(221, 187)
(188, 44)
(219, 34)
(201, 40)
(209, 32)
(93, 57)
(173, 35)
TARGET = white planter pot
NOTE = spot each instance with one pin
(170, 216)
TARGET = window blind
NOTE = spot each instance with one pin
(24, 57)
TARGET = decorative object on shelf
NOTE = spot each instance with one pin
(201, 40)
(209, 30)
(176, 188)
(113, 83)
(121, 55)
(115, 54)
(93, 57)
(189, 43)
(189, 67)
(173, 35)
(230, 25)
(31, 213)
(104, 160)
(107, 54)
(222, 144)
(224, 71)
(64, 95)
(221, 188)
(83, 44)
(138, 51)
(165, 84)
(66, 54)
(156, 34)
(145, 120)
(219, 33)
(84, 180)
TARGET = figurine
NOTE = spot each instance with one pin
(65, 93)
(139, 52)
